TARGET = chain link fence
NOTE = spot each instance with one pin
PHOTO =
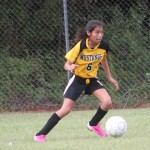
(34, 42)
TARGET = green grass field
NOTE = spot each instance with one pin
(17, 130)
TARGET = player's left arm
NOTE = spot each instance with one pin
(108, 73)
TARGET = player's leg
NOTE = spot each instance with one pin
(105, 101)
(71, 93)
(98, 90)
(54, 119)
(66, 107)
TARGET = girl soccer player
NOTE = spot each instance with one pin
(83, 61)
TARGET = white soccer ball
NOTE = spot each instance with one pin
(116, 126)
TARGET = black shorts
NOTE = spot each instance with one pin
(77, 85)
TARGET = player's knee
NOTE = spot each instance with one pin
(66, 111)
(63, 112)
(107, 103)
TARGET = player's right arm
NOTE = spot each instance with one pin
(69, 66)
(71, 57)
(73, 53)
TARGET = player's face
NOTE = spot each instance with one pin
(96, 35)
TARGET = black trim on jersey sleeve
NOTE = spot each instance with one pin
(104, 45)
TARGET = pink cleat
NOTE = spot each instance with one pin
(40, 138)
(97, 129)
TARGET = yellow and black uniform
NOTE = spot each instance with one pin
(88, 60)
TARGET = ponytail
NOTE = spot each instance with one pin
(80, 35)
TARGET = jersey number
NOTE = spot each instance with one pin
(89, 67)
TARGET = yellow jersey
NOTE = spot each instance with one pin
(86, 58)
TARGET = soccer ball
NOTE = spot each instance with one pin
(116, 126)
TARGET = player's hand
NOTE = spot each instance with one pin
(73, 67)
(70, 66)
(115, 83)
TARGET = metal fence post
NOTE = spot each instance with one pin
(66, 31)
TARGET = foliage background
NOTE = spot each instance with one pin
(32, 51)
